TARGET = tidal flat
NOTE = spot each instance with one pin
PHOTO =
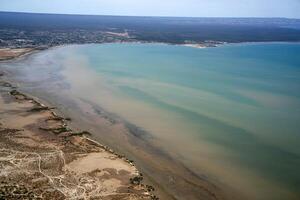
(212, 123)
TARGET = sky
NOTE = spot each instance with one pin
(185, 8)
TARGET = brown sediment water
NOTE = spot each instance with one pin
(172, 179)
(163, 143)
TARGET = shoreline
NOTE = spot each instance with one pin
(108, 117)
(213, 44)
(202, 188)
(58, 129)
(23, 52)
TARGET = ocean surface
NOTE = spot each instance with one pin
(231, 112)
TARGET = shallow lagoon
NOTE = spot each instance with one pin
(233, 110)
(231, 113)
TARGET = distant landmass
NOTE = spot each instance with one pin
(27, 29)
(149, 121)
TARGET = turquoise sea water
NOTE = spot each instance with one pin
(231, 111)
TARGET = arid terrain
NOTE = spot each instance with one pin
(7, 53)
(42, 158)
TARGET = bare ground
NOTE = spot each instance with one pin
(42, 158)
(8, 54)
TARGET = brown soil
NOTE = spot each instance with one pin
(42, 158)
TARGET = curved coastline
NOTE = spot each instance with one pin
(136, 137)
(34, 131)
(187, 184)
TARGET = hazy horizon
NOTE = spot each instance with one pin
(156, 8)
(48, 13)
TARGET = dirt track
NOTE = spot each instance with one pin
(42, 158)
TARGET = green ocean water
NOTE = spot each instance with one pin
(232, 111)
